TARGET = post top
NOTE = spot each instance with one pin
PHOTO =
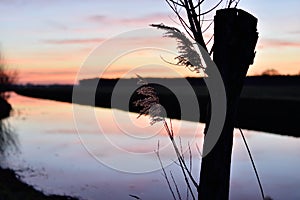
(231, 12)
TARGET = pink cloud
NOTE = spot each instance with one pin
(74, 41)
(144, 20)
(272, 43)
(97, 18)
(46, 58)
(48, 75)
(295, 32)
(142, 40)
(148, 19)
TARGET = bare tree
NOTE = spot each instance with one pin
(233, 53)
(7, 78)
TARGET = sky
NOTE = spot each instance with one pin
(48, 41)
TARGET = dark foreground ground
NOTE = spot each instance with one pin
(268, 103)
(11, 188)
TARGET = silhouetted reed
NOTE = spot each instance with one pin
(149, 105)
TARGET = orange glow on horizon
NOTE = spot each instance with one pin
(54, 67)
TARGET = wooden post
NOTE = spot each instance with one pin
(235, 36)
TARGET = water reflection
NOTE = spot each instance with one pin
(50, 146)
(8, 140)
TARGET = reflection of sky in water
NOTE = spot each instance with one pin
(51, 147)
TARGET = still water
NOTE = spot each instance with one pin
(109, 154)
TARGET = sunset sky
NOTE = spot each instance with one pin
(47, 41)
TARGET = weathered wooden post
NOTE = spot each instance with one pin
(235, 36)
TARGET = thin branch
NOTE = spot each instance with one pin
(187, 193)
(176, 186)
(170, 133)
(207, 27)
(202, 21)
(195, 24)
(183, 169)
(204, 13)
(226, 3)
(210, 39)
(191, 157)
(194, 16)
(186, 27)
(198, 4)
(191, 163)
(182, 2)
(182, 163)
(211, 50)
(169, 62)
(181, 148)
(199, 11)
(230, 2)
(198, 149)
(176, 22)
(177, 64)
(190, 18)
(164, 173)
(253, 165)
(171, 125)
(202, 1)
(134, 196)
(237, 3)
(182, 21)
(175, 2)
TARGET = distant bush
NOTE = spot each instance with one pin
(270, 72)
(7, 78)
